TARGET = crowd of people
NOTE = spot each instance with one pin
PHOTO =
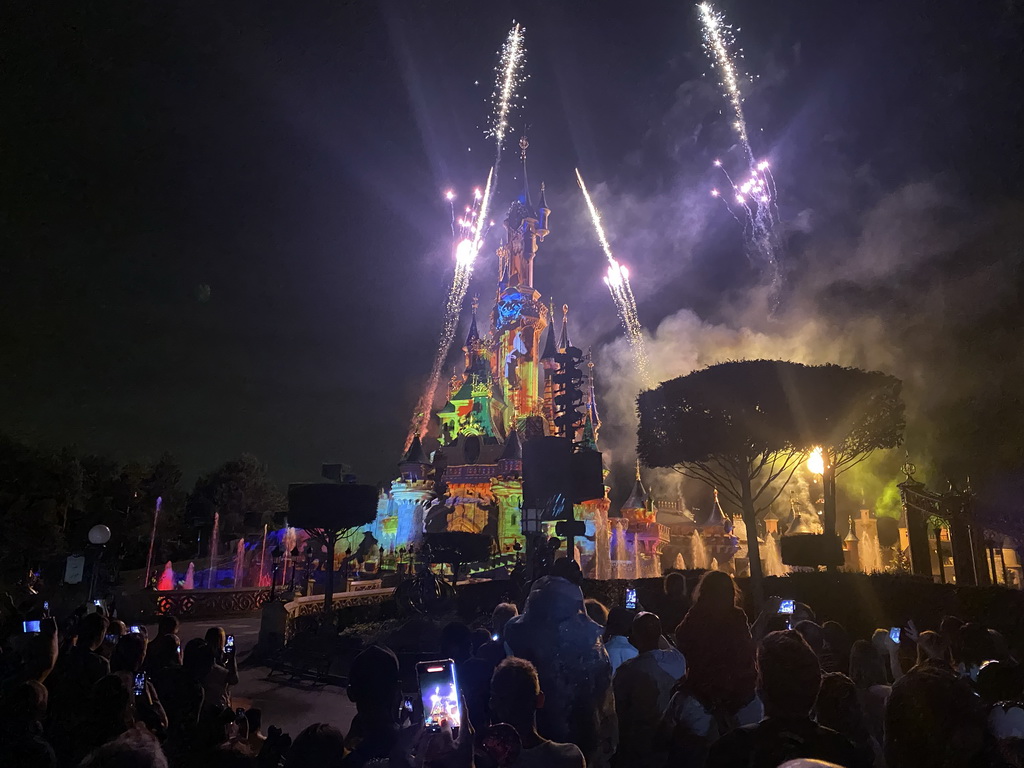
(566, 683)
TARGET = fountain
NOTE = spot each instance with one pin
(870, 554)
(190, 577)
(214, 546)
(262, 581)
(771, 557)
(166, 583)
(239, 564)
(679, 564)
(700, 551)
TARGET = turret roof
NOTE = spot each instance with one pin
(513, 448)
(415, 454)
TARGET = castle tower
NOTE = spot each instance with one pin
(519, 316)
(550, 365)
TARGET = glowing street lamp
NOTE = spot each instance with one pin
(816, 462)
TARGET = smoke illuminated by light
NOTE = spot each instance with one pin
(617, 280)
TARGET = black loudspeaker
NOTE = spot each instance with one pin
(587, 476)
(457, 547)
(333, 506)
(547, 470)
(811, 549)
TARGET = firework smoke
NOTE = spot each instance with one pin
(752, 199)
(617, 281)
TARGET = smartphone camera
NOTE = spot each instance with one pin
(139, 688)
(229, 645)
(30, 626)
(631, 598)
(135, 629)
(894, 635)
(787, 607)
(439, 693)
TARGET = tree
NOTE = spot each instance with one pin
(243, 495)
(732, 426)
(849, 413)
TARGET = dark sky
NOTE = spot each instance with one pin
(292, 157)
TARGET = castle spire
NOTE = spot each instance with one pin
(563, 339)
(523, 146)
(474, 334)
(550, 348)
(592, 420)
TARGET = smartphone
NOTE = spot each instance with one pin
(135, 629)
(631, 598)
(112, 639)
(229, 644)
(439, 692)
(140, 684)
(30, 626)
(46, 606)
(495, 638)
(97, 603)
(787, 607)
(894, 634)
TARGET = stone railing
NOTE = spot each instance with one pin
(142, 605)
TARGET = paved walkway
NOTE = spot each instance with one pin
(289, 706)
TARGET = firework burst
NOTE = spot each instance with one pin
(751, 198)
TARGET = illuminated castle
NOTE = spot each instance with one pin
(503, 397)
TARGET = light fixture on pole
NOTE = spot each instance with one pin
(99, 535)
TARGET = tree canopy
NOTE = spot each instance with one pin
(744, 426)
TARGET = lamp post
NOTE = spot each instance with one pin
(295, 557)
(99, 535)
(277, 554)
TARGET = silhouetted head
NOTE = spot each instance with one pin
(716, 591)
(596, 610)
(456, 641)
(515, 692)
(788, 675)
(500, 617)
(91, 630)
(128, 654)
(373, 683)
(674, 585)
(318, 746)
(620, 622)
(866, 666)
(216, 637)
(167, 625)
(645, 634)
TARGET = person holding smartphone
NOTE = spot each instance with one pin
(224, 673)
(126, 663)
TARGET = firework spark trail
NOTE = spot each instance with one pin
(617, 281)
(717, 37)
(510, 77)
(472, 229)
(755, 195)
(469, 232)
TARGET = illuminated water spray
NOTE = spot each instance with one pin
(750, 197)
(617, 281)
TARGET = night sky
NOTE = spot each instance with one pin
(223, 228)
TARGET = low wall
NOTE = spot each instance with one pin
(145, 605)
